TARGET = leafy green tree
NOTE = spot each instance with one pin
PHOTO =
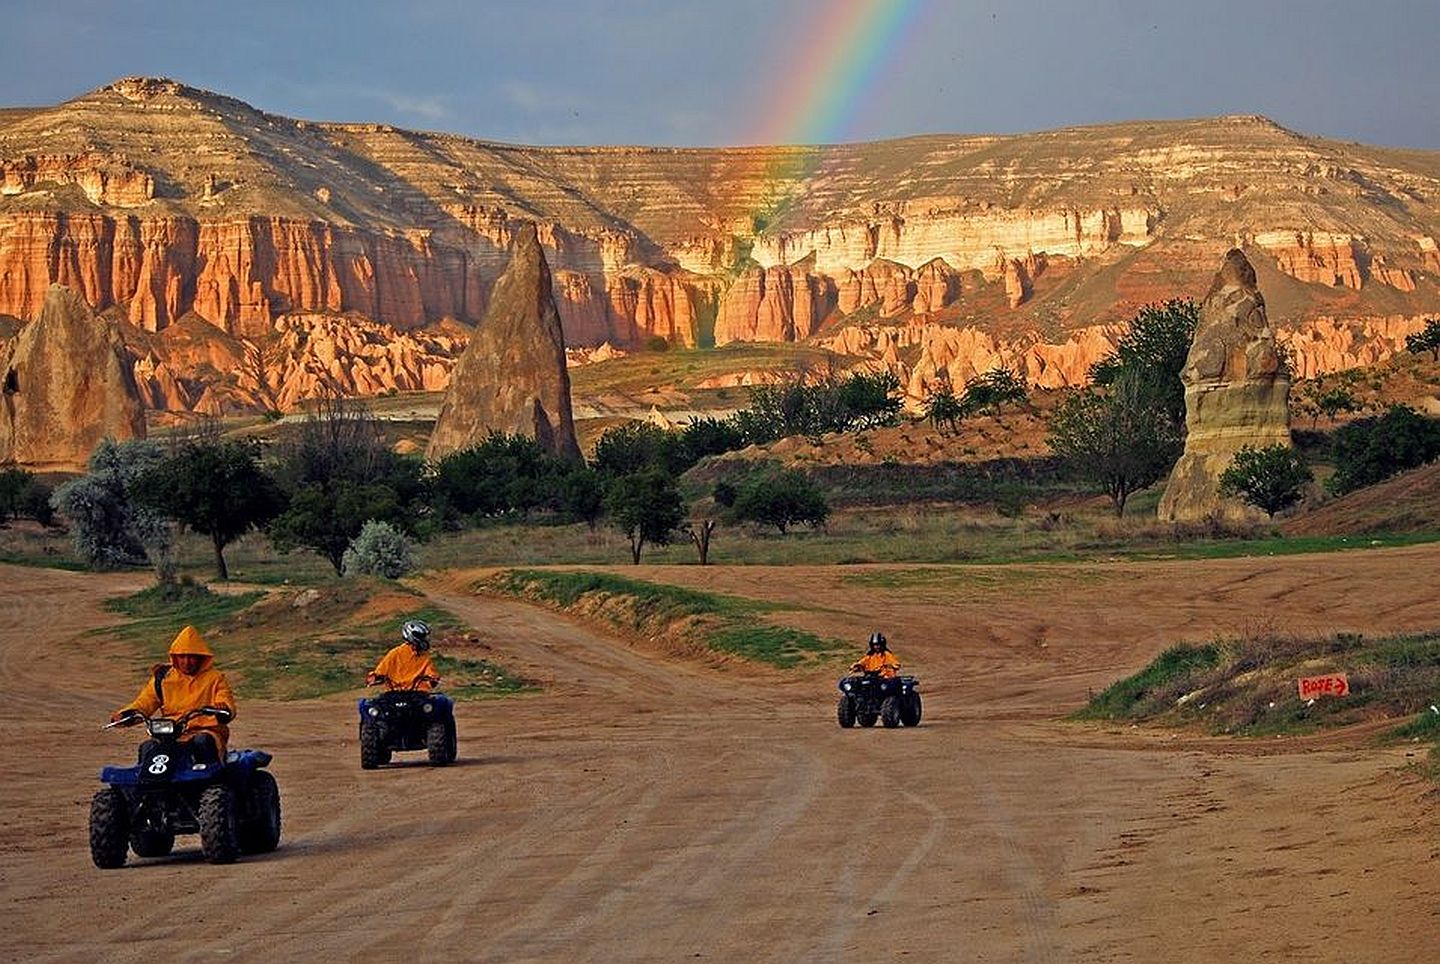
(582, 494)
(338, 474)
(869, 401)
(1115, 438)
(1334, 401)
(781, 499)
(990, 391)
(110, 528)
(1152, 355)
(502, 473)
(636, 447)
(1427, 339)
(1271, 478)
(646, 507)
(708, 436)
(1370, 450)
(943, 409)
(215, 487)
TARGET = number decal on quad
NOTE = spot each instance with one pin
(159, 763)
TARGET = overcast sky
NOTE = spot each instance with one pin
(676, 72)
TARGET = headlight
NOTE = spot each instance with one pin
(161, 727)
(427, 708)
(372, 711)
(846, 687)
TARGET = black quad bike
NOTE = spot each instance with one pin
(410, 719)
(233, 804)
(866, 697)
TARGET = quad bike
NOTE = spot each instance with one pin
(406, 719)
(866, 697)
(233, 804)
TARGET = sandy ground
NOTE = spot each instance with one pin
(649, 809)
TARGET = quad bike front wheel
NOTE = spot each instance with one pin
(866, 717)
(373, 751)
(219, 831)
(260, 833)
(845, 712)
(910, 710)
(440, 743)
(109, 828)
(890, 712)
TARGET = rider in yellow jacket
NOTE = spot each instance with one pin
(879, 659)
(188, 682)
(407, 666)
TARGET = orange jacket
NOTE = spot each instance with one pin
(402, 667)
(180, 693)
(886, 663)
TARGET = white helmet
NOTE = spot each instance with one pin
(416, 633)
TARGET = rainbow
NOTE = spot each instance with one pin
(848, 48)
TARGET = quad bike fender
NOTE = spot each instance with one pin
(239, 763)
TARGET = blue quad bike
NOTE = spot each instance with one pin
(866, 697)
(407, 719)
(234, 804)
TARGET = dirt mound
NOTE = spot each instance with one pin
(1410, 502)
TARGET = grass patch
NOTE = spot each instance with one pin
(1247, 685)
(302, 644)
(722, 623)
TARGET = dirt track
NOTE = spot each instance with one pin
(644, 809)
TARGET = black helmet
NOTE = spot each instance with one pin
(416, 633)
(877, 639)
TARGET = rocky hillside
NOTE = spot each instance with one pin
(162, 203)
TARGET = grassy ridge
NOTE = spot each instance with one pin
(722, 623)
(1248, 686)
(275, 647)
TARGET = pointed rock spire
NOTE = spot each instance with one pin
(512, 377)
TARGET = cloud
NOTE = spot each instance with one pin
(428, 108)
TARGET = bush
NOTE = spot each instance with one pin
(1427, 339)
(1371, 450)
(108, 526)
(781, 499)
(379, 550)
(1271, 479)
(988, 392)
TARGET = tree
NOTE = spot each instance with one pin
(1333, 401)
(1115, 438)
(869, 401)
(943, 409)
(1427, 339)
(338, 474)
(987, 392)
(646, 507)
(212, 486)
(501, 473)
(781, 499)
(700, 531)
(1152, 355)
(1371, 450)
(582, 494)
(635, 447)
(109, 527)
(1270, 479)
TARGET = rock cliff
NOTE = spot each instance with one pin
(159, 202)
(1236, 394)
(512, 377)
(65, 384)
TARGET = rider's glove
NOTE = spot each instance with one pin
(124, 715)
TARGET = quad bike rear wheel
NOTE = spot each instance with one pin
(151, 843)
(910, 710)
(440, 743)
(260, 832)
(109, 828)
(845, 712)
(219, 831)
(890, 712)
(373, 751)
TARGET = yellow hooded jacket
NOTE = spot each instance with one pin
(886, 663)
(179, 693)
(402, 667)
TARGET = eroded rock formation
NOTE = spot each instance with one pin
(512, 377)
(1236, 394)
(65, 384)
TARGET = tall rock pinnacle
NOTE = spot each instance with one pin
(512, 377)
(67, 384)
(1236, 394)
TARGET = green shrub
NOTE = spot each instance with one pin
(379, 550)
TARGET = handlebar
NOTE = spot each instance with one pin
(133, 717)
